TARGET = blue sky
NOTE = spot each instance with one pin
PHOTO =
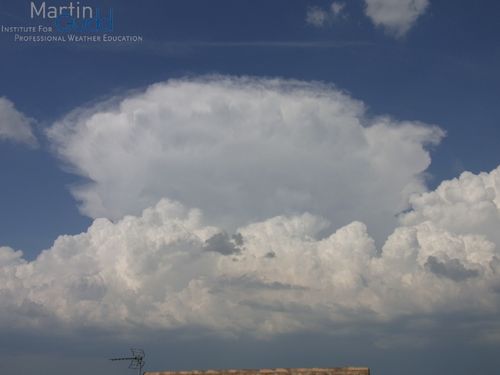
(439, 69)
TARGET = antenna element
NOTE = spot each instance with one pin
(136, 361)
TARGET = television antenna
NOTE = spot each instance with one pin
(136, 361)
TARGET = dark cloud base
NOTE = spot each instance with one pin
(444, 354)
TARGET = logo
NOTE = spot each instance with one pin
(74, 22)
(74, 18)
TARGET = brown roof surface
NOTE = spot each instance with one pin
(275, 371)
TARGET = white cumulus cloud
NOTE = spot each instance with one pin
(397, 17)
(169, 268)
(317, 17)
(243, 150)
(320, 17)
(15, 126)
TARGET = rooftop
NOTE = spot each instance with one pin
(280, 371)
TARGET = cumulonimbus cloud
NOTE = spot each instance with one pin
(306, 179)
(15, 126)
(243, 150)
(168, 268)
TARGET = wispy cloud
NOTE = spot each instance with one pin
(183, 48)
(14, 125)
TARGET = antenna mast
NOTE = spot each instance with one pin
(136, 361)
